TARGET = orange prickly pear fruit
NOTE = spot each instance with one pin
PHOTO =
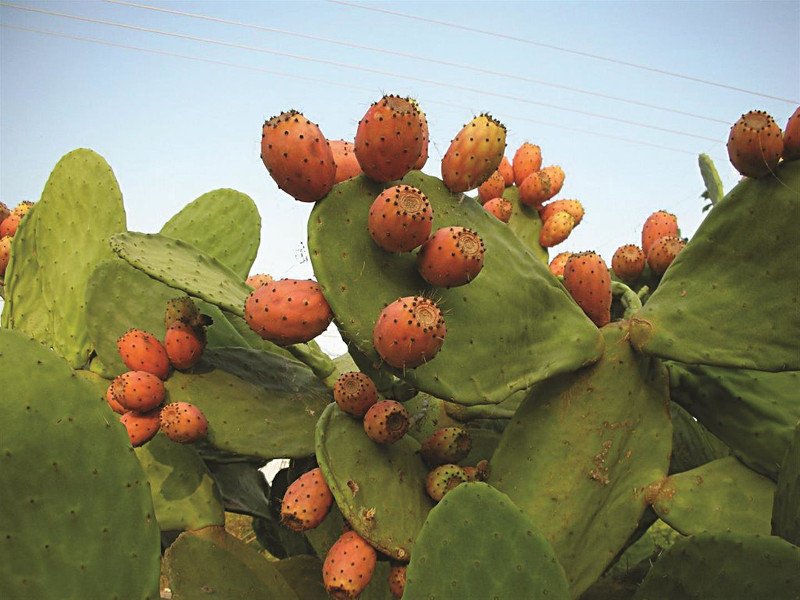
(527, 160)
(558, 263)
(540, 186)
(400, 218)
(791, 137)
(442, 479)
(141, 427)
(491, 188)
(628, 262)
(423, 120)
(355, 393)
(185, 344)
(556, 229)
(114, 389)
(573, 207)
(9, 225)
(306, 502)
(5, 254)
(142, 351)
(663, 252)
(397, 579)
(659, 224)
(451, 257)
(446, 445)
(474, 154)
(348, 566)
(386, 422)
(344, 157)
(755, 144)
(409, 332)
(500, 208)
(507, 171)
(138, 390)
(588, 281)
(183, 422)
(258, 279)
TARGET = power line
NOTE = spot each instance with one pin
(357, 68)
(560, 49)
(330, 82)
(415, 57)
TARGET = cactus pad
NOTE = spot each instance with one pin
(786, 508)
(526, 223)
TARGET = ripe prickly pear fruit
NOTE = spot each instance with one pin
(288, 311)
(4, 211)
(588, 281)
(442, 479)
(306, 502)
(114, 389)
(5, 254)
(258, 279)
(755, 144)
(386, 422)
(663, 252)
(397, 579)
(138, 390)
(791, 137)
(474, 154)
(573, 207)
(507, 171)
(556, 229)
(659, 224)
(557, 264)
(344, 157)
(628, 262)
(409, 332)
(389, 139)
(540, 186)
(348, 566)
(446, 445)
(480, 472)
(298, 156)
(141, 427)
(142, 351)
(183, 422)
(491, 188)
(355, 392)
(426, 136)
(9, 225)
(527, 160)
(400, 218)
(452, 256)
(500, 208)
(184, 344)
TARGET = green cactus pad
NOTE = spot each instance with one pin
(786, 508)
(243, 487)
(427, 415)
(741, 259)
(223, 223)
(753, 412)
(184, 493)
(380, 489)
(211, 561)
(724, 567)
(304, 575)
(526, 223)
(692, 444)
(119, 297)
(580, 452)
(711, 179)
(512, 326)
(722, 496)
(477, 544)
(77, 519)
(257, 404)
(181, 265)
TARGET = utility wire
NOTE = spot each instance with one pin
(356, 68)
(559, 49)
(511, 118)
(415, 57)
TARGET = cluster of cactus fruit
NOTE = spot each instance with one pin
(503, 425)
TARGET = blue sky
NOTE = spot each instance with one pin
(173, 128)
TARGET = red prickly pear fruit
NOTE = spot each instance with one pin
(500, 208)
(355, 393)
(4, 211)
(258, 279)
(138, 390)
(142, 351)
(628, 262)
(183, 422)
(507, 171)
(588, 281)
(658, 225)
(288, 311)
(558, 263)
(9, 225)
(573, 207)
(527, 160)
(141, 427)
(388, 140)
(397, 579)
(184, 309)
(426, 137)
(5, 254)
(442, 479)
(474, 154)
(306, 502)
(491, 188)
(386, 422)
(791, 137)
(663, 252)
(480, 472)
(556, 229)
(452, 256)
(400, 218)
(540, 186)
(755, 144)
(446, 445)
(409, 332)
(344, 157)
(298, 156)
(184, 344)
(348, 566)
(115, 389)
